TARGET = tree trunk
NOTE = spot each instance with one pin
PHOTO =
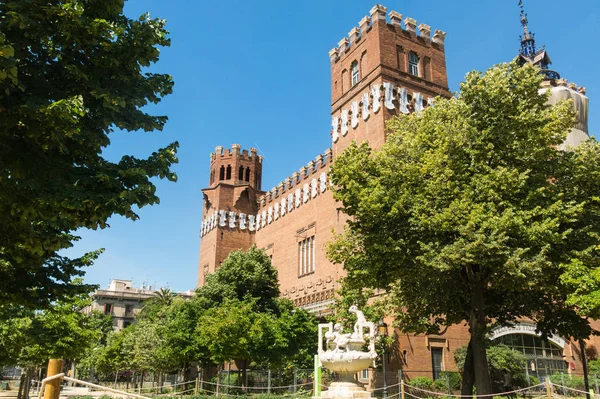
(586, 381)
(476, 366)
(468, 376)
(477, 327)
(21, 385)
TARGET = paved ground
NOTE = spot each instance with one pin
(65, 393)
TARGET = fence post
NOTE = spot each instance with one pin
(269, 381)
(53, 387)
(196, 387)
(548, 389)
(402, 389)
(562, 382)
(295, 380)
(596, 380)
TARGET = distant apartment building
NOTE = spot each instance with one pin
(120, 300)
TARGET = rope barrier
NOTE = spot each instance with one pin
(388, 387)
(265, 387)
(571, 389)
(470, 396)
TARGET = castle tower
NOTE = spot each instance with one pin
(230, 203)
(381, 69)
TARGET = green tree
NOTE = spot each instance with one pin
(241, 276)
(71, 72)
(63, 331)
(469, 212)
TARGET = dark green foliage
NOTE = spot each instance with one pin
(570, 381)
(71, 72)
(421, 383)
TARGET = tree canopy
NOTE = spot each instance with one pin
(71, 72)
(470, 212)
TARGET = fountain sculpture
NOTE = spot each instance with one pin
(344, 354)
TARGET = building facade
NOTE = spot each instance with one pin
(386, 66)
(120, 300)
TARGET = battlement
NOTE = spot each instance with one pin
(234, 151)
(378, 14)
(311, 171)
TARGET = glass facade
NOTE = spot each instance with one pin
(543, 357)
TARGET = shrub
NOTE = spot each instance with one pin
(421, 382)
(533, 380)
(453, 378)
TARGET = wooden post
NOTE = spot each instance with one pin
(402, 389)
(53, 387)
(548, 388)
(196, 387)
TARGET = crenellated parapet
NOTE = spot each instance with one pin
(235, 151)
(379, 14)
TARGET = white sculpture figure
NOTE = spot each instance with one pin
(298, 198)
(376, 98)
(251, 222)
(222, 218)
(430, 101)
(270, 215)
(242, 221)
(263, 219)
(344, 122)
(335, 123)
(258, 224)
(323, 182)
(290, 202)
(276, 211)
(365, 106)
(336, 340)
(389, 95)
(354, 110)
(313, 187)
(360, 321)
(419, 103)
(305, 192)
(283, 206)
(404, 100)
(232, 219)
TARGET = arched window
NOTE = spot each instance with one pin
(354, 72)
(248, 174)
(228, 177)
(413, 64)
(212, 176)
(241, 173)
(222, 173)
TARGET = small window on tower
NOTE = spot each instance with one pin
(247, 174)
(355, 72)
(241, 173)
(413, 64)
(228, 175)
(222, 173)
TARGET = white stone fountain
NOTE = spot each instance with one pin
(344, 355)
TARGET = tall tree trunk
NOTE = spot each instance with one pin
(468, 376)
(477, 328)
(586, 381)
(21, 385)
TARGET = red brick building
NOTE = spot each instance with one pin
(386, 66)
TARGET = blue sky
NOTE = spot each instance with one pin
(257, 73)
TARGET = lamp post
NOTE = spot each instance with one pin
(383, 332)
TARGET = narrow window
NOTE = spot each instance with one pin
(344, 80)
(354, 72)
(426, 68)
(222, 173)
(437, 362)
(306, 256)
(248, 174)
(241, 173)
(108, 308)
(413, 64)
(128, 310)
(228, 177)
(212, 176)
